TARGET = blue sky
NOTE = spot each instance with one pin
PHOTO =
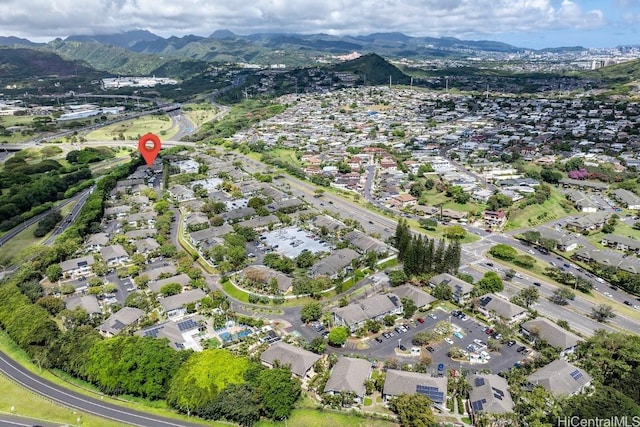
(525, 23)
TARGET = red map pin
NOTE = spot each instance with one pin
(149, 153)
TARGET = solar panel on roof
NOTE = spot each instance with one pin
(187, 324)
(479, 382)
(576, 375)
(498, 391)
(497, 396)
(431, 392)
(152, 333)
(477, 405)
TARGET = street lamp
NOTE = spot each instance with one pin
(399, 340)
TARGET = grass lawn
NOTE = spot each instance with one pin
(555, 207)
(32, 405)
(200, 113)
(287, 156)
(434, 197)
(134, 128)
(320, 418)
(621, 229)
(234, 292)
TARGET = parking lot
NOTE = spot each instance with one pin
(469, 330)
(291, 241)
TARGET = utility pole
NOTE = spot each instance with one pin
(446, 84)
(389, 82)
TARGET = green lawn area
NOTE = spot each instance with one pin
(200, 113)
(288, 156)
(621, 229)
(434, 197)
(555, 207)
(321, 418)
(134, 128)
(234, 292)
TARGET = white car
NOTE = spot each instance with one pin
(433, 316)
(448, 341)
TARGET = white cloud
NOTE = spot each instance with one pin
(462, 18)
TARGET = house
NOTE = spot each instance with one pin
(419, 297)
(119, 320)
(181, 334)
(460, 290)
(142, 219)
(405, 200)
(376, 307)
(96, 241)
(364, 243)
(495, 219)
(496, 307)
(196, 221)
(589, 222)
(154, 273)
(141, 234)
(114, 255)
(626, 198)
(621, 243)
(181, 193)
(489, 395)
(77, 266)
(581, 201)
(146, 246)
(175, 306)
(87, 302)
(561, 378)
(264, 274)
(300, 361)
(117, 212)
(182, 279)
(400, 382)
(349, 375)
(334, 264)
(554, 335)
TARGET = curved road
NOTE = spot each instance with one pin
(75, 400)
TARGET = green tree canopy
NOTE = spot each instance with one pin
(413, 410)
(202, 377)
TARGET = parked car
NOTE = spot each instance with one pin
(378, 339)
(448, 340)
(430, 349)
(511, 343)
(521, 349)
(433, 316)
(403, 348)
(420, 319)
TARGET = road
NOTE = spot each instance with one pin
(576, 312)
(90, 405)
(79, 197)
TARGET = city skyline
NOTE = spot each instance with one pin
(523, 23)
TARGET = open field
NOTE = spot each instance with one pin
(134, 128)
(200, 113)
(434, 197)
(532, 215)
(25, 239)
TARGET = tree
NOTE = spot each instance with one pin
(317, 345)
(409, 307)
(171, 289)
(311, 311)
(338, 336)
(54, 272)
(490, 283)
(278, 392)
(397, 277)
(503, 251)
(305, 259)
(423, 338)
(53, 305)
(602, 313)
(238, 403)
(196, 384)
(561, 295)
(389, 320)
(442, 291)
(413, 410)
(527, 296)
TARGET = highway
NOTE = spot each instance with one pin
(82, 196)
(75, 400)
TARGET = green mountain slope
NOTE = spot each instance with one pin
(373, 69)
(28, 63)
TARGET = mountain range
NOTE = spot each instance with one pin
(140, 51)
